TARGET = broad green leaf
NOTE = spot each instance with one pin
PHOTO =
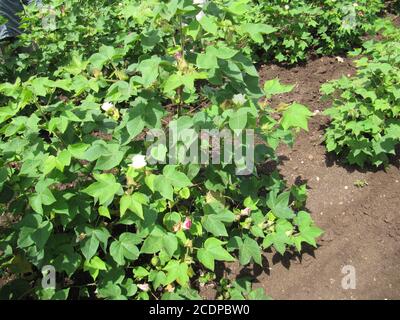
(169, 243)
(104, 189)
(178, 272)
(173, 82)
(125, 248)
(213, 224)
(279, 205)
(157, 278)
(213, 245)
(239, 7)
(209, 24)
(256, 30)
(34, 231)
(274, 87)
(238, 119)
(279, 240)
(104, 212)
(120, 91)
(94, 266)
(153, 242)
(164, 187)
(176, 178)
(249, 249)
(206, 258)
(90, 246)
(296, 116)
(149, 70)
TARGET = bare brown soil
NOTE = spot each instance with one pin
(362, 224)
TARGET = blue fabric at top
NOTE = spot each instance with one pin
(9, 10)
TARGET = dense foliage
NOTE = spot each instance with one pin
(297, 29)
(86, 82)
(365, 125)
(76, 99)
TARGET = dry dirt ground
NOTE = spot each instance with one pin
(362, 225)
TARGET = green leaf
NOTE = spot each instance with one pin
(134, 127)
(193, 29)
(159, 152)
(169, 243)
(249, 249)
(105, 55)
(279, 205)
(104, 189)
(136, 205)
(176, 178)
(238, 119)
(157, 278)
(274, 87)
(35, 231)
(296, 116)
(163, 187)
(178, 272)
(223, 52)
(120, 91)
(90, 246)
(256, 30)
(110, 159)
(153, 242)
(239, 7)
(214, 247)
(213, 224)
(125, 248)
(258, 294)
(104, 212)
(94, 237)
(206, 258)
(140, 272)
(209, 24)
(213, 250)
(68, 261)
(184, 193)
(279, 240)
(159, 240)
(3, 176)
(149, 70)
(125, 203)
(208, 60)
(308, 232)
(129, 288)
(94, 266)
(173, 82)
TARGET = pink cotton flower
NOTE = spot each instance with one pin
(187, 224)
(245, 212)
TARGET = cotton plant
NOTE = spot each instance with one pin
(74, 122)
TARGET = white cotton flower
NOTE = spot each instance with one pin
(200, 15)
(107, 106)
(138, 161)
(355, 4)
(201, 4)
(239, 99)
(287, 7)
